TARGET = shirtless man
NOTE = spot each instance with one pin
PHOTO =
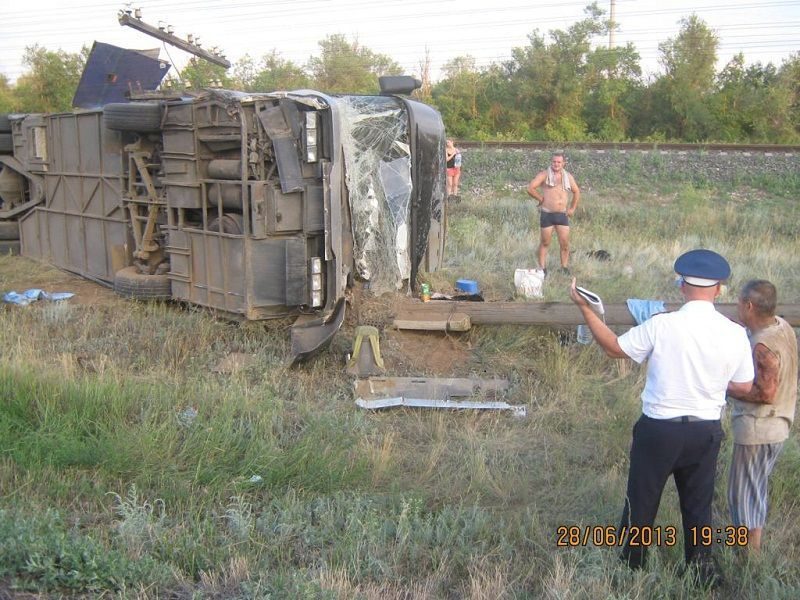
(556, 208)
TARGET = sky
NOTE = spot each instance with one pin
(764, 31)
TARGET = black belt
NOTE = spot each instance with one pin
(686, 419)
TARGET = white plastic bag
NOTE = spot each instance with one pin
(529, 282)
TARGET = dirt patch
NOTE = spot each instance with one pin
(405, 353)
(19, 274)
(87, 292)
(426, 352)
(432, 353)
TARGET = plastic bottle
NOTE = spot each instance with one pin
(425, 292)
(584, 334)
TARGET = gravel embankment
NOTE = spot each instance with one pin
(486, 169)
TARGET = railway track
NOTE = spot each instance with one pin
(637, 146)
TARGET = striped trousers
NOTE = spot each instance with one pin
(748, 489)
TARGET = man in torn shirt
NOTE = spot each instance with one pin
(761, 418)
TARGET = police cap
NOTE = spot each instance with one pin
(702, 268)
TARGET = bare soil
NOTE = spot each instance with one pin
(421, 353)
(427, 352)
(404, 352)
(18, 274)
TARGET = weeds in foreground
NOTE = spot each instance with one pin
(141, 523)
(239, 518)
(131, 465)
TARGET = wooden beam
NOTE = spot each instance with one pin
(553, 314)
(453, 322)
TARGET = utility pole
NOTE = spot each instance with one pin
(165, 35)
(425, 75)
(612, 24)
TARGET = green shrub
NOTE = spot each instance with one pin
(42, 553)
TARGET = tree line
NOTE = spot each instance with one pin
(559, 87)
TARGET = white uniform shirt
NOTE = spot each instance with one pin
(694, 352)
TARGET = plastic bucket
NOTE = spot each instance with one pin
(469, 286)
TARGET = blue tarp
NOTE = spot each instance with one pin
(33, 295)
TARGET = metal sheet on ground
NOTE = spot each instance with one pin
(518, 411)
(429, 387)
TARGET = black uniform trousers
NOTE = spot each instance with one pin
(686, 450)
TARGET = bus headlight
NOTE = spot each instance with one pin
(316, 282)
(311, 136)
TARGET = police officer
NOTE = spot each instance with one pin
(694, 354)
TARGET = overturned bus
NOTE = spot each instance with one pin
(254, 205)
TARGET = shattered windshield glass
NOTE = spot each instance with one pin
(374, 139)
(378, 175)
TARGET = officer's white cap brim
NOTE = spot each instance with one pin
(700, 281)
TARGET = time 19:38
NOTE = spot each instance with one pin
(729, 536)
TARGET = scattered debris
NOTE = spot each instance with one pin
(187, 416)
(429, 387)
(518, 411)
(601, 255)
(34, 294)
(453, 393)
(366, 358)
(529, 282)
(459, 297)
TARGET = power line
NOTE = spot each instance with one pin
(288, 43)
(233, 11)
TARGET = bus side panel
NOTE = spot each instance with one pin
(82, 225)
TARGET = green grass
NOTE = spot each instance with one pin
(131, 467)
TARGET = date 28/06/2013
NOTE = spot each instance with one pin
(572, 536)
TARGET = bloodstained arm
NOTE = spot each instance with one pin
(765, 385)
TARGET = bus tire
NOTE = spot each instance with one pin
(129, 283)
(143, 117)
